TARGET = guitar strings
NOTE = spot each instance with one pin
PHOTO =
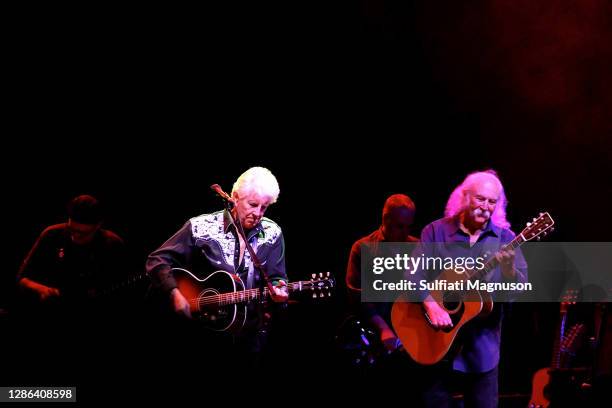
(242, 295)
(238, 297)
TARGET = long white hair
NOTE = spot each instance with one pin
(459, 198)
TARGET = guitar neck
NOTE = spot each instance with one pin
(133, 279)
(248, 295)
(556, 358)
(493, 262)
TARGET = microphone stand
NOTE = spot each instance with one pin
(264, 280)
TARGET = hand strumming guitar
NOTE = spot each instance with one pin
(180, 304)
(438, 317)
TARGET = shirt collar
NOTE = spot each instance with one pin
(227, 223)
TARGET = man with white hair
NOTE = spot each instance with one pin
(211, 242)
(475, 221)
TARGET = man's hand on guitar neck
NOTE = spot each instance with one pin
(505, 257)
(180, 304)
(438, 317)
(279, 292)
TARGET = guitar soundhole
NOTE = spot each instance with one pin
(451, 301)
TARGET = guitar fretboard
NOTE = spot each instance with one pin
(248, 295)
(493, 262)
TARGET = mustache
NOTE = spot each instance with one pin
(485, 213)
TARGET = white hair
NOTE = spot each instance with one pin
(257, 180)
(459, 199)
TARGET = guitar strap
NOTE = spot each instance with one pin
(248, 259)
(256, 263)
(251, 274)
(488, 248)
(496, 248)
(499, 243)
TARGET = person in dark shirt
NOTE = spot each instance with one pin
(397, 219)
(72, 263)
(74, 314)
(211, 242)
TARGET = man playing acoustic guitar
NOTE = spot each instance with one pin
(211, 243)
(475, 219)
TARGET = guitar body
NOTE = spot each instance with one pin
(487, 304)
(213, 316)
(220, 301)
(427, 345)
(423, 343)
(547, 384)
(540, 380)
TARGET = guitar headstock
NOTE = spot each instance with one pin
(570, 297)
(538, 228)
(320, 284)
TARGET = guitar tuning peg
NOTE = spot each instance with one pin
(314, 275)
(538, 238)
(328, 274)
(314, 295)
(320, 274)
(529, 224)
(534, 219)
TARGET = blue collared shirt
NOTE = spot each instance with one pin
(480, 337)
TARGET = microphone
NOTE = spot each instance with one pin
(217, 189)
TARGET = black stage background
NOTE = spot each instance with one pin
(345, 104)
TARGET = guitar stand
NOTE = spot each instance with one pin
(567, 387)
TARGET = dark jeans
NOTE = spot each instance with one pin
(480, 390)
